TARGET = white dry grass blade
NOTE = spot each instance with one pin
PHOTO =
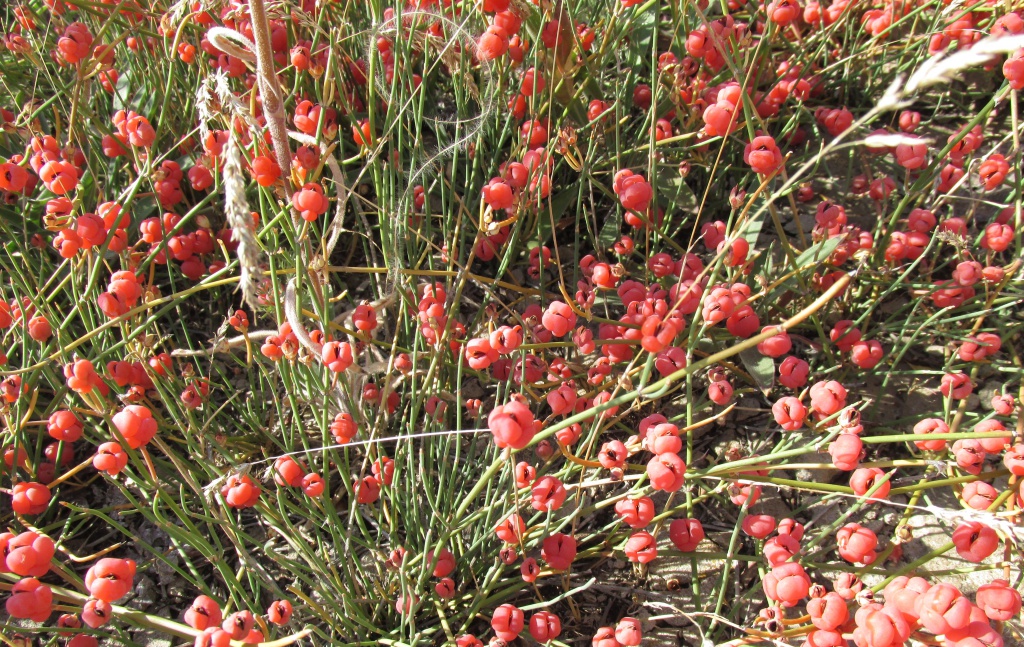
(464, 130)
(217, 85)
(943, 69)
(1006, 527)
(204, 106)
(239, 217)
(291, 313)
(344, 195)
(225, 40)
(892, 140)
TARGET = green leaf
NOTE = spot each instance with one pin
(753, 229)
(125, 99)
(812, 256)
(640, 31)
(760, 367)
(559, 205)
(764, 263)
(611, 232)
(673, 190)
(818, 251)
(121, 90)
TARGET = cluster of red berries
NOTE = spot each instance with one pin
(651, 318)
(30, 554)
(216, 630)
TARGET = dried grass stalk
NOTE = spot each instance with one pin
(239, 218)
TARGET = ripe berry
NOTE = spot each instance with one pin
(641, 547)
(240, 491)
(559, 551)
(856, 543)
(793, 372)
(547, 493)
(998, 600)
(636, 513)
(666, 472)
(787, 583)
(789, 413)
(545, 626)
(239, 624)
(203, 613)
(763, 155)
(758, 526)
(136, 425)
(628, 633)
(507, 622)
(634, 191)
(865, 478)
(975, 541)
(30, 498)
(512, 425)
(529, 570)
(110, 579)
(942, 608)
(309, 201)
(288, 472)
(612, 455)
(512, 529)
(686, 534)
(265, 170)
(279, 612)
(30, 599)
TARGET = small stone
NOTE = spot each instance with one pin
(747, 408)
(819, 475)
(988, 391)
(144, 593)
(973, 402)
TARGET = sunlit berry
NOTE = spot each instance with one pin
(559, 318)
(265, 170)
(942, 608)
(30, 599)
(512, 425)
(110, 579)
(975, 541)
(310, 201)
(634, 191)
(29, 498)
(763, 155)
(793, 372)
(204, 612)
(998, 600)
(956, 385)
(856, 543)
(641, 547)
(547, 494)
(866, 354)
(864, 479)
(846, 451)
(666, 472)
(789, 413)
(787, 583)
(136, 425)
(240, 491)
(636, 513)
(507, 621)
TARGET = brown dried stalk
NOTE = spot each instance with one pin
(270, 89)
